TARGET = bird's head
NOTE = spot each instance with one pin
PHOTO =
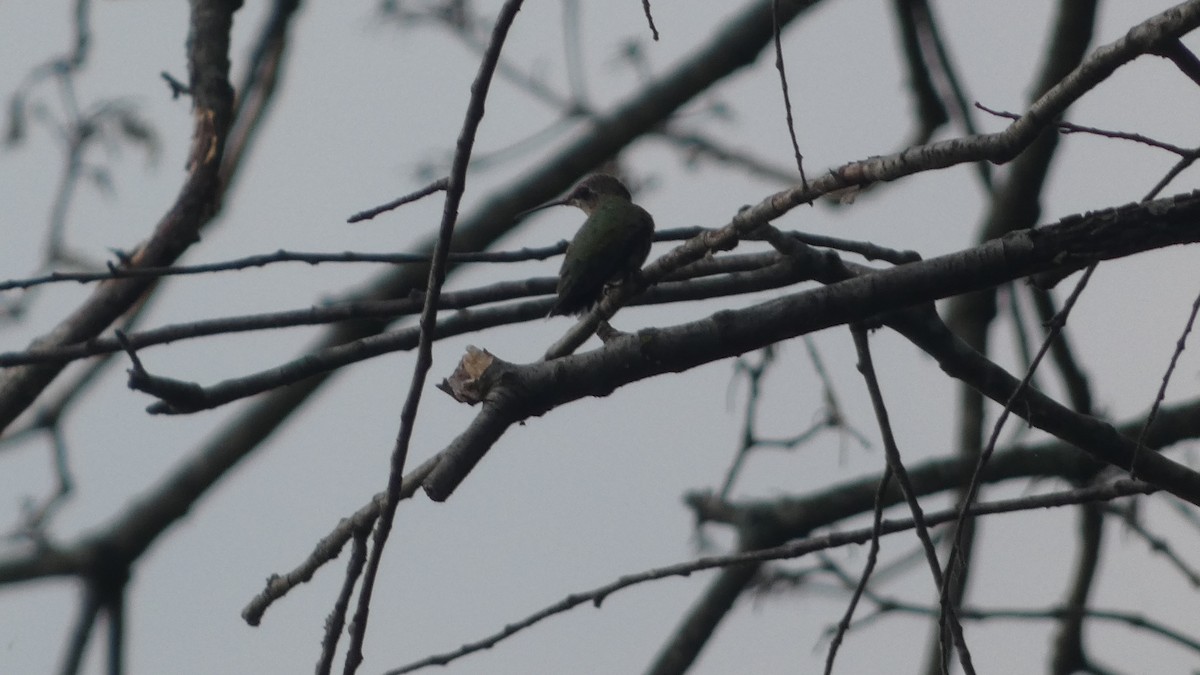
(589, 193)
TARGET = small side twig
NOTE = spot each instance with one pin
(650, 19)
(896, 466)
(787, 100)
(436, 186)
(1180, 345)
(428, 323)
(794, 549)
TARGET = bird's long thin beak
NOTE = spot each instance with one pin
(556, 202)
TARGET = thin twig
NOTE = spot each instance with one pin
(972, 489)
(787, 100)
(437, 276)
(795, 549)
(436, 186)
(872, 558)
(650, 19)
(896, 466)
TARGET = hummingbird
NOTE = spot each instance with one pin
(610, 247)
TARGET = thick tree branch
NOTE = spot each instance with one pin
(198, 201)
(521, 392)
(734, 47)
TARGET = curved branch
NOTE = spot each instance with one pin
(198, 201)
(519, 392)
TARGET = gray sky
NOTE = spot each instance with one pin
(591, 491)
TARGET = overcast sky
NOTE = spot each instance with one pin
(591, 491)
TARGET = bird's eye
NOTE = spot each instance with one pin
(583, 193)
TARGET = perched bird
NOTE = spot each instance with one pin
(610, 247)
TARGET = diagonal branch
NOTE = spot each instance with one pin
(198, 201)
(455, 188)
(514, 393)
